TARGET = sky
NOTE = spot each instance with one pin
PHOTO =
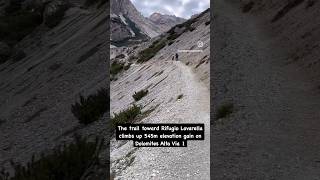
(180, 8)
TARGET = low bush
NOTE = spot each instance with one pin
(151, 51)
(91, 108)
(139, 95)
(65, 163)
(224, 111)
(125, 116)
(116, 67)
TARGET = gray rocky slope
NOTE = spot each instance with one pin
(37, 91)
(166, 80)
(165, 21)
(265, 58)
(128, 24)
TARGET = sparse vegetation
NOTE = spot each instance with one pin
(139, 95)
(92, 108)
(65, 163)
(117, 67)
(151, 51)
(224, 111)
(125, 116)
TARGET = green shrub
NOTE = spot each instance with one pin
(125, 116)
(224, 111)
(151, 51)
(65, 163)
(173, 36)
(139, 95)
(90, 109)
(116, 67)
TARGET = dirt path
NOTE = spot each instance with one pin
(192, 162)
(275, 131)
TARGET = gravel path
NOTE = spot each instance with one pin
(274, 133)
(192, 162)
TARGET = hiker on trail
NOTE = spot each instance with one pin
(172, 58)
(177, 57)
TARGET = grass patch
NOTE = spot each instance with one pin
(125, 116)
(91, 108)
(117, 67)
(151, 51)
(224, 111)
(139, 95)
(68, 162)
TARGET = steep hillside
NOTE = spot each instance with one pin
(266, 91)
(177, 92)
(39, 89)
(127, 22)
(294, 26)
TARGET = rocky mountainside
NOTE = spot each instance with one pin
(128, 25)
(266, 76)
(38, 89)
(177, 92)
(165, 21)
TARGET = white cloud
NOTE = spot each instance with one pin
(181, 8)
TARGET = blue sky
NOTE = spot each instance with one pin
(181, 8)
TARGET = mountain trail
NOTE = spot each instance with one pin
(190, 162)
